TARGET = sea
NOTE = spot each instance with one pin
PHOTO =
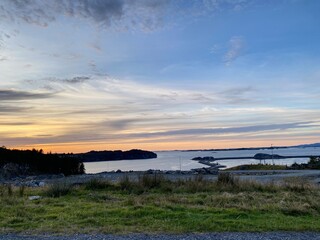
(181, 160)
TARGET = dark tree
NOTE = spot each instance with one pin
(39, 163)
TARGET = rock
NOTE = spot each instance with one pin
(41, 184)
(31, 198)
(32, 184)
(13, 170)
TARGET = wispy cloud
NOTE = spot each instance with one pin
(12, 109)
(2, 59)
(230, 130)
(3, 37)
(72, 80)
(240, 95)
(146, 15)
(8, 95)
(14, 123)
(117, 13)
(87, 135)
(236, 47)
(215, 48)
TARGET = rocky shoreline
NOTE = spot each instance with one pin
(262, 176)
(42, 180)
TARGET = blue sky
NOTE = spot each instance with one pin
(120, 74)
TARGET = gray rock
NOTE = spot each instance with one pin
(41, 184)
(31, 198)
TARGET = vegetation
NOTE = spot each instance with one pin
(314, 163)
(259, 167)
(154, 204)
(58, 190)
(26, 162)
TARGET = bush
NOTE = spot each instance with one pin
(314, 160)
(126, 184)
(10, 190)
(226, 179)
(21, 190)
(96, 184)
(193, 185)
(151, 181)
(58, 189)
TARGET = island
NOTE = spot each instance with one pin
(99, 156)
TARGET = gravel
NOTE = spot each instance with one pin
(263, 176)
(205, 236)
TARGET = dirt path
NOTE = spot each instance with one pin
(263, 176)
(206, 236)
(260, 176)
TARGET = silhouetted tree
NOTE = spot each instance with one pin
(39, 163)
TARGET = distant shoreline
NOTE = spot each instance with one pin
(252, 148)
(282, 157)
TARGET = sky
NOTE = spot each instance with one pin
(80, 75)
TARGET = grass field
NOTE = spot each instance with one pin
(154, 205)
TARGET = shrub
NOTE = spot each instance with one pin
(96, 184)
(58, 189)
(10, 190)
(226, 179)
(126, 184)
(151, 181)
(295, 184)
(21, 190)
(314, 160)
(195, 184)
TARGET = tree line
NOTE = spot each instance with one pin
(37, 162)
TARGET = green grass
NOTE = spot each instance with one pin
(259, 167)
(154, 204)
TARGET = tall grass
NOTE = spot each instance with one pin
(225, 182)
(10, 190)
(97, 184)
(22, 190)
(227, 179)
(145, 183)
(58, 189)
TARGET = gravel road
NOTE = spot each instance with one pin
(260, 176)
(206, 236)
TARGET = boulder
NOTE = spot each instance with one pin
(31, 198)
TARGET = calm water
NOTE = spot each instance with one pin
(176, 160)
